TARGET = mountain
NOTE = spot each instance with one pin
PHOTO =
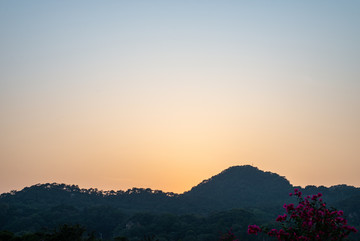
(240, 186)
(255, 194)
(236, 187)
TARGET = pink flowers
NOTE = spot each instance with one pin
(254, 229)
(281, 218)
(289, 207)
(309, 220)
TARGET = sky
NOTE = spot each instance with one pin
(164, 94)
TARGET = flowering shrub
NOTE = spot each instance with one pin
(310, 220)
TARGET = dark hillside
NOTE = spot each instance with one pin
(239, 187)
(255, 194)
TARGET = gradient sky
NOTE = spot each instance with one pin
(164, 94)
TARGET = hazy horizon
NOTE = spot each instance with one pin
(159, 94)
(145, 187)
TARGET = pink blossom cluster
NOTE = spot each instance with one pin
(310, 220)
(253, 229)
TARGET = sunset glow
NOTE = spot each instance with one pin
(159, 94)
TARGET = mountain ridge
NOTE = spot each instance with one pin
(111, 192)
(235, 187)
(255, 194)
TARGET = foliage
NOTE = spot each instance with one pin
(234, 198)
(63, 233)
(310, 220)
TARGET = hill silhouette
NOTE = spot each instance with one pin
(255, 194)
(236, 187)
(240, 186)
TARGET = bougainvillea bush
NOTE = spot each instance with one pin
(310, 220)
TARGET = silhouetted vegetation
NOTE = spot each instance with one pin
(63, 233)
(232, 200)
